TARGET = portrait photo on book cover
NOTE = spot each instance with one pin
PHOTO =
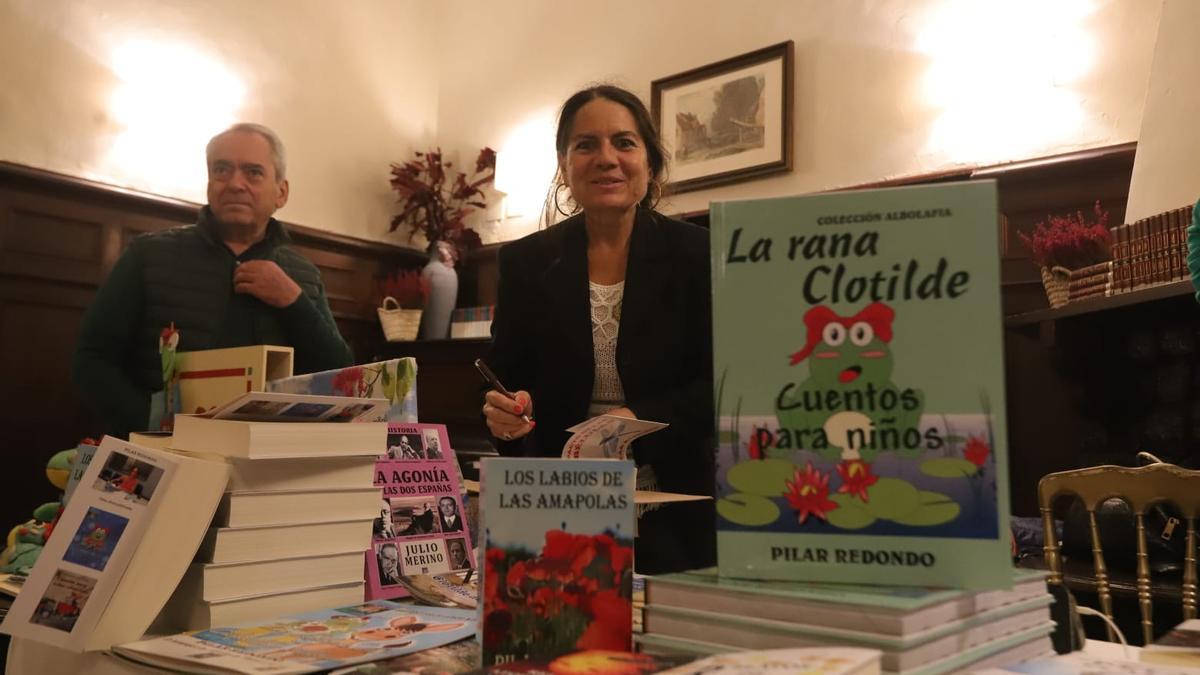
(63, 600)
(456, 551)
(401, 447)
(95, 539)
(852, 445)
(382, 526)
(449, 519)
(433, 446)
(128, 479)
(414, 515)
(387, 560)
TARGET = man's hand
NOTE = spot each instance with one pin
(266, 281)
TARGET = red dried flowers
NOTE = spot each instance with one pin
(436, 204)
(1070, 241)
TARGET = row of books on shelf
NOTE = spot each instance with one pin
(1149, 251)
(472, 322)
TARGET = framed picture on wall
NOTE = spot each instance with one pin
(728, 121)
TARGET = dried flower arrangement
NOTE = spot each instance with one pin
(408, 287)
(1070, 241)
(436, 204)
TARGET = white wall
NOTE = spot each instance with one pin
(128, 91)
(354, 85)
(1166, 171)
(1010, 80)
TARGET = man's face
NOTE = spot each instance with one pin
(447, 507)
(243, 190)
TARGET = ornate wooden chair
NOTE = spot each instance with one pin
(1141, 488)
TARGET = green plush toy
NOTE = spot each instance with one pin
(25, 541)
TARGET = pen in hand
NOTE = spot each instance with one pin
(491, 379)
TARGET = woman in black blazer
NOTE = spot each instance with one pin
(609, 312)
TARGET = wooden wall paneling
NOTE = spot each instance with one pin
(59, 237)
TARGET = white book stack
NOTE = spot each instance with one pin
(290, 532)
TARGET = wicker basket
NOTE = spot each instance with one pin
(399, 325)
(1057, 281)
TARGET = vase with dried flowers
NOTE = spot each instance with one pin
(435, 200)
(404, 294)
(1064, 243)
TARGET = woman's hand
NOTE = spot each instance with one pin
(504, 415)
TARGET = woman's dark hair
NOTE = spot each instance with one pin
(655, 154)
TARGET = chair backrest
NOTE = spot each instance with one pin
(1141, 488)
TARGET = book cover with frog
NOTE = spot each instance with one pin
(859, 365)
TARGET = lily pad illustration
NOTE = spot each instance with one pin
(850, 514)
(934, 509)
(747, 509)
(766, 477)
(948, 467)
(892, 498)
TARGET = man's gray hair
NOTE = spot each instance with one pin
(278, 155)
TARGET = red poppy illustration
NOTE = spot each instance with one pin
(856, 478)
(572, 595)
(976, 451)
(808, 493)
(347, 381)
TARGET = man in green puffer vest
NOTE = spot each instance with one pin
(230, 280)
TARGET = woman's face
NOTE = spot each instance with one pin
(605, 165)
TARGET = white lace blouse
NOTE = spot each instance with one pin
(607, 393)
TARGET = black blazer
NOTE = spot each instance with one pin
(542, 343)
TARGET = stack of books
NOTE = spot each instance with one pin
(639, 602)
(1093, 281)
(472, 322)
(918, 630)
(290, 532)
(1151, 250)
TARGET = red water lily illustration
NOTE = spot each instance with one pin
(856, 478)
(760, 440)
(808, 493)
(976, 451)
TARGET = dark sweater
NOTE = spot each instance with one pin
(185, 275)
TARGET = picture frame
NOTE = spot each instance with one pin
(728, 121)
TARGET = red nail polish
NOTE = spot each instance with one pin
(532, 424)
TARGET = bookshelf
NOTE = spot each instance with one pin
(1142, 295)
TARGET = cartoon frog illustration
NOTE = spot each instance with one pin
(95, 539)
(850, 367)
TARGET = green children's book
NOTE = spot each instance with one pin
(858, 358)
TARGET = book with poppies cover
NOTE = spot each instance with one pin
(861, 418)
(557, 557)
